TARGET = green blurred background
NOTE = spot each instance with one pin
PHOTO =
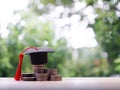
(35, 28)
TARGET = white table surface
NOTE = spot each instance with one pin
(80, 83)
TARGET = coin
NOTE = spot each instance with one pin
(27, 75)
(52, 71)
(28, 78)
(38, 68)
(42, 76)
(55, 77)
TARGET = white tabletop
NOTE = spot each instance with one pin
(80, 83)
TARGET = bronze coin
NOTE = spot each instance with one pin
(27, 75)
(55, 77)
(40, 65)
(52, 71)
(38, 68)
(42, 76)
(28, 78)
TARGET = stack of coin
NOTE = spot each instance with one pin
(40, 72)
(28, 77)
(42, 76)
(52, 71)
(38, 68)
(53, 75)
(55, 78)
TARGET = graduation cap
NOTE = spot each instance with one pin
(38, 55)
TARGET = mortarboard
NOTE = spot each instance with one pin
(38, 55)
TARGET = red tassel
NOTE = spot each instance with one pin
(18, 71)
(17, 76)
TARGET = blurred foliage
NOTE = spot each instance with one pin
(30, 31)
(107, 31)
(86, 62)
(117, 67)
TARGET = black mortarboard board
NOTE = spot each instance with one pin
(38, 55)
